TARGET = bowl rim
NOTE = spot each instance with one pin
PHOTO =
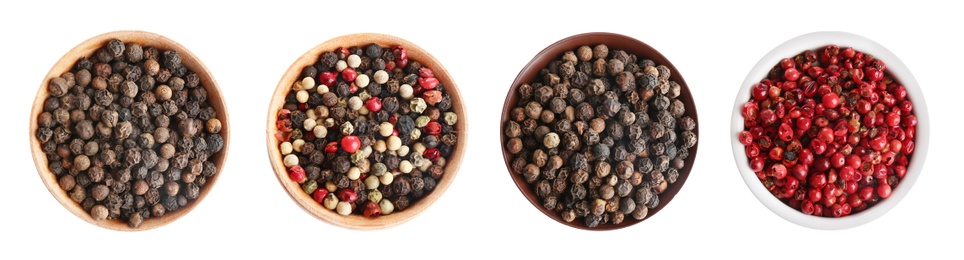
(87, 48)
(353, 221)
(613, 41)
(895, 67)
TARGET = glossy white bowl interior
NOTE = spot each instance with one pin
(895, 67)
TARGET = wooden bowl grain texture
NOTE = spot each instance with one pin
(354, 221)
(530, 73)
(87, 49)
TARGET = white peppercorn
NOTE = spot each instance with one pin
(310, 123)
(387, 178)
(343, 208)
(285, 148)
(381, 77)
(393, 143)
(322, 89)
(353, 173)
(290, 160)
(353, 61)
(297, 144)
(355, 103)
(551, 140)
(302, 96)
(386, 206)
(341, 65)
(385, 129)
(362, 81)
(405, 166)
(307, 83)
(379, 146)
(406, 91)
(371, 182)
(320, 131)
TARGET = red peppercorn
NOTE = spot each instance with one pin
(805, 157)
(818, 180)
(327, 78)
(855, 200)
(282, 136)
(807, 208)
(752, 150)
(779, 171)
(342, 52)
(347, 195)
(750, 110)
(431, 154)
(432, 97)
(283, 125)
(791, 74)
(873, 74)
(372, 210)
(776, 153)
(331, 147)
(893, 118)
(349, 74)
(830, 100)
(745, 137)
(787, 63)
(814, 195)
(433, 128)
(428, 83)
(319, 194)
(759, 92)
(374, 104)
(426, 72)
(900, 170)
(350, 143)
(837, 160)
(401, 56)
(799, 171)
(757, 164)
(883, 190)
(284, 114)
(297, 174)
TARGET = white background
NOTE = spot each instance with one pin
(249, 46)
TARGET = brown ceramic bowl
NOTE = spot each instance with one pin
(614, 41)
(87, 49)
(354, 221)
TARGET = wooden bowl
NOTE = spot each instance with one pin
(530, 74)
(354, 221)
(87, 49)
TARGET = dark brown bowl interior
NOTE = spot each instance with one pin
(614, 41)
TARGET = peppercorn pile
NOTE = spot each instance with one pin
(601, 136)
(129, 133)
(371, 135)
(829, 132)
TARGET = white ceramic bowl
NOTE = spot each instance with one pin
(895, 67)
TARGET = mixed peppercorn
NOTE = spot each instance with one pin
(600, 136)
(829, 132)
(366, 130)
(129, 132)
